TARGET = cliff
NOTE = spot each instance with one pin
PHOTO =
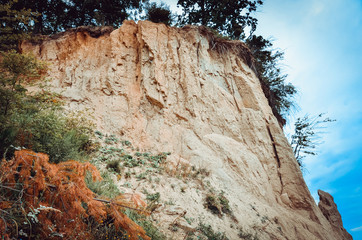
(176, 90)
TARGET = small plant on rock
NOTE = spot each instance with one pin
(217, 203)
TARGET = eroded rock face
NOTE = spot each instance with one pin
(166, 89)
(329, 209)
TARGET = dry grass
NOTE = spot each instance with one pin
(92, 31)
(223, 45)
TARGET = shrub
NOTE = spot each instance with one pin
(278, 92)
(158, 13)
(48, 131)
(106, 187)
(217, 203)
(44, 200)
(36, 121)
(246, 236)
(306, 135)
(114, 165)
(208, 232)
(143, 221)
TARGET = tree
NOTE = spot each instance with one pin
(158, 13)
(306, 135)
(279, 93)
(229, 17)
(15, 69)
(15, 24)
(50, 14)
(99, 12)
(53, 16)
(36, 120)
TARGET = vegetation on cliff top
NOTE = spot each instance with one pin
(232, 19)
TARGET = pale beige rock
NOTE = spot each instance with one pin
(329, 209)
(165, 89)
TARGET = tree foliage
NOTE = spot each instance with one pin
(158, 13)
(15, 24)
(50, 14)
(226, 16)
(36, 120)
(45, 200)
(306, 135)
(58, 15)
(278, 92)
(15, 70)
(231, 18)
(99, 12)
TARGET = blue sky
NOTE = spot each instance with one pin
(322, 41)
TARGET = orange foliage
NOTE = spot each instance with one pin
(58, 194)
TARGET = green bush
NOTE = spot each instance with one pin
(57, 135)
(158, 13)
(36, 121)
(217, 203)
(209, 233)
(106, 187)
(280, 94)
(151, 230)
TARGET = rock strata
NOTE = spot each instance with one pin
(329, 209)
(166, 89)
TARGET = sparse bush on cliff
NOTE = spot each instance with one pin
(217, 203)
(158, 13)
(277, 90)
(306, 135)
(209, 233)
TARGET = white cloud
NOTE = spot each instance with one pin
(321, 172)
(357, 229)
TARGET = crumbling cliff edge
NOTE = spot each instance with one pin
(167, 89)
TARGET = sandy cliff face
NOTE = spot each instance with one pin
(166, 89)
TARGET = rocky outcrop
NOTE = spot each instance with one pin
(173, 90)
(329, 209)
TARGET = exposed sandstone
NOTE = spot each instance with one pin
(165, 89)
(329, 209)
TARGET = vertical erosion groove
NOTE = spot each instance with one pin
(273, 143)
(276, 156)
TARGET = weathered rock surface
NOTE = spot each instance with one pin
(165, 89)
(329, 209)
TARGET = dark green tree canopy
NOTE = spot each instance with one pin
(57, 15)
(279, 93)
(14, 25)
(158, 13)
(100, 12)
(49, 17)
(229, 17)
